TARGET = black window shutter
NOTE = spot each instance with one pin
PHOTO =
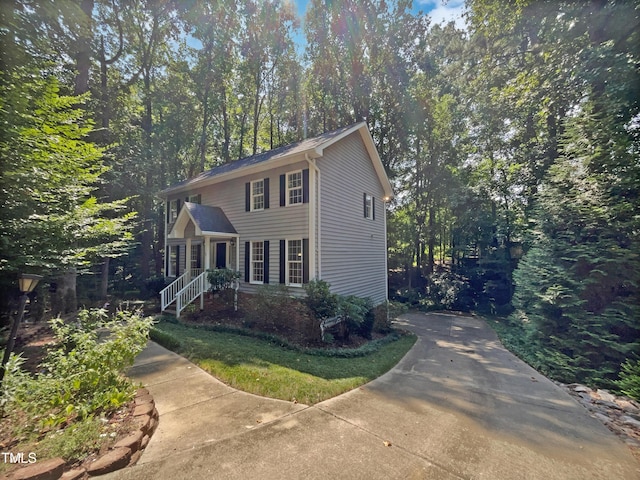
(177, 206)
(168, 210)
(373, 207)
(199, 253)
(266, 261)
(247, 197)
(247, 258)
(266, 193)
(283, 190)
(305, 260)
(177, 260)
(283, 252)
(167, 258)
(305, 185)
(186, 199)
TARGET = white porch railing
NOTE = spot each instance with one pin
(168, 295)
(190, 292)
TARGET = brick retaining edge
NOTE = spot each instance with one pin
(126, 452)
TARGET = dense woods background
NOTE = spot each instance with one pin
(513, 147)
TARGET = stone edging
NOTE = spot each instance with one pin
(125, 452)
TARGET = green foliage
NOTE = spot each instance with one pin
(357, 313)
(629, 382)
(449, 290)
(155, 285)
(320, 300)
(49, 171)
(83, 374)
(73, 443)
(222, 278)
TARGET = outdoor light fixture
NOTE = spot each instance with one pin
(27, 283)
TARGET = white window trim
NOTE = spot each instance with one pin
(173, 210)
(172, 260)
(194, 250)
(252, 196)
(369, 202)
(287, 261)
(288, 189)
(251, 280)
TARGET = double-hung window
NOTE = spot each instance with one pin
(195, 257)
(294, 188)
(294, 262)
(257, 262)
(257, 195)
(368, 206)
(173, 211)
(173, 261)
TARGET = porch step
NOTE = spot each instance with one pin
(169, 311)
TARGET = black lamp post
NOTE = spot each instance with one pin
(27, 283)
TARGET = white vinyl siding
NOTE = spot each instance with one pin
(352, 247)
(271, 224)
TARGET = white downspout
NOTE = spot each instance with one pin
(386, 252)
(314, 220)
(166, 234)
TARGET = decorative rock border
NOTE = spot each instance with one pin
(126, 452)
(618, 413)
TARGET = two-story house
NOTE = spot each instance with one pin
(314, 209)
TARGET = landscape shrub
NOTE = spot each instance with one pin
(153, 286)
(354, 311)
(82, 375)
(385, 313)
(320, 300)
(449, 290)
(629, 382)
(221, 278)
(274, 309)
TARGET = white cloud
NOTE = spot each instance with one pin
(444, 11)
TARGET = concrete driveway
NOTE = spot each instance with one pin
(458, 406)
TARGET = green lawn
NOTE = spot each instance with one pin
(265, 368)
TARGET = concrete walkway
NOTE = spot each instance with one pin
(458, 406)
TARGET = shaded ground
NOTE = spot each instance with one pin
(458, 406)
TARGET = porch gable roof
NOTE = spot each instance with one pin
(207, 220)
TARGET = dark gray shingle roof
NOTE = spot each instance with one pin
(209, 219)
(298, 147)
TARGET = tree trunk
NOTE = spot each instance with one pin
(104, 279)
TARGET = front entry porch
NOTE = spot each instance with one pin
(201, 239)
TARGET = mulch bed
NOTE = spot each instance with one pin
(298, 330)
(33, 341)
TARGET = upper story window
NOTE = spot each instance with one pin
(257, 195)
(294, 188)
(368, 206)
(173, 211)
(194, 198)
